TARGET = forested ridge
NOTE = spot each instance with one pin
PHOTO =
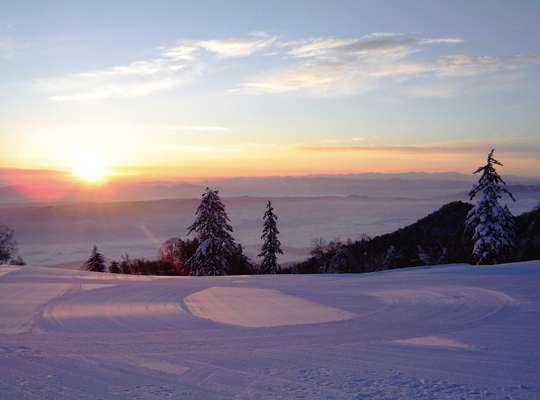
(439, 238)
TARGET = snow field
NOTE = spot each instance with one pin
(440, 333)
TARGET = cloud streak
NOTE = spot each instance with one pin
(457, 148)
(7, 47)
(350, 47)
(325, 67)
(198, 150)
(352, 66)
(198, 128)
(176, 67)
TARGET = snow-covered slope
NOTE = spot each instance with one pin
(440, 332)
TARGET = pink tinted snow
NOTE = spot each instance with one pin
(257, 308)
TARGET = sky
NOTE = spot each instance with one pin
(181, 90)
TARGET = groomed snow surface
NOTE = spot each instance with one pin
(447, 332)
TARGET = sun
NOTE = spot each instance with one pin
(91, 168)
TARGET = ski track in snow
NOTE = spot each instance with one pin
(442, 333)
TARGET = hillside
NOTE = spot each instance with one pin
(439, 238)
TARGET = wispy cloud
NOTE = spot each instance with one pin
(136, 79)
(382, 34)
(235, 47)
(354, 139)
(318, 67)
(198, 128)
(133, 89)
(7, 47)
(355, 46)
(176, 66)
(454, 66)
(13, 48)
(386, 149)
(338, 67)
(197, 149)
(508, 146)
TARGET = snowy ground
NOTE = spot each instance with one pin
(441, 332)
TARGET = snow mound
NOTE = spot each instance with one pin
(258, 308)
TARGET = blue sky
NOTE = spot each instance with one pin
(178, 90)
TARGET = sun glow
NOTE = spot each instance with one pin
(91, 168)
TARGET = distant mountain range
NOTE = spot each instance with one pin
(451, 186)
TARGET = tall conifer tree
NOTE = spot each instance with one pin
(271, 246)
(96, 262)
(216, 243)
(493, 225)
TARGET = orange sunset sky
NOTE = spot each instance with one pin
(102, 91)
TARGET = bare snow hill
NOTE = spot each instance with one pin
(444, 332)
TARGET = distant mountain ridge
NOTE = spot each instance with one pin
(438, 238)
(449, 185)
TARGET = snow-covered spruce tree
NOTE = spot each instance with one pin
(216, 244)
(340, 262)
(96, 262)
(493, 225)
(271, 246)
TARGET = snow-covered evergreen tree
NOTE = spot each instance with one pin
(96, 262)
(340, 262)
(433, 255)
(271, 246)
(216, 244)
(493, 225)
(390, 259)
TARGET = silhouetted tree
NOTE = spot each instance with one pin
(142, 266)
(8, 246)
(114, 268)
(177, 251)
(239, 263)
(125, 265)
(493, 225)
(96, 262)
(528, 227)
(17, 261)
(271, 246)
